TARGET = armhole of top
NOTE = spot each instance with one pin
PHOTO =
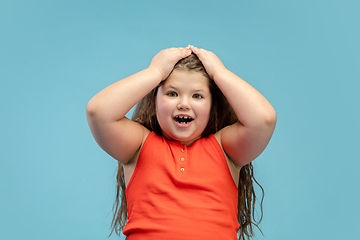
(139, 159)
(221, 151)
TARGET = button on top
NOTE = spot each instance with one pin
(182, 159)
(182, 150)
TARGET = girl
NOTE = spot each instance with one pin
(185, 160)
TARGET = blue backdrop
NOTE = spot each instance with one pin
(56, 183)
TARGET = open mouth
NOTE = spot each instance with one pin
(183, 119)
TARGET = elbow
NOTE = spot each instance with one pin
(270, 118)
(91, 109)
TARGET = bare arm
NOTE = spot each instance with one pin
(117, 135)
(246, 139)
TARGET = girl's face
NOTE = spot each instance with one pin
(183, 104)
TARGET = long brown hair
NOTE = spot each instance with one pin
(221, 115)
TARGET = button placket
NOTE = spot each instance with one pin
(183, 160)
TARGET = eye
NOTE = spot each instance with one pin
(172, 94)
(197, 96)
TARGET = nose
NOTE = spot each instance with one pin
(183, 105)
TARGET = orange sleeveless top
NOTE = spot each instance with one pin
(179, 192)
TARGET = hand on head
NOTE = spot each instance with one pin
(210, 61)
(165, 60)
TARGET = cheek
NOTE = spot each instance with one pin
(204, 111)
(163, 109)
(158, 111)
(160, 105)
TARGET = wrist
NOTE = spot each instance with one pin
(155, 72)
(219, 73)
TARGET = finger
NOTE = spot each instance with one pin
(199, 52)
(180, 52)
(187, 51)
(196, 50)
(192, 47)
(180, 48)
(183, 49)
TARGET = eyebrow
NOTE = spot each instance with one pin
(196, 90)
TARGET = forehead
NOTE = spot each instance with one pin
(188, 79)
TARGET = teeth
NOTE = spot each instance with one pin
(183, 119)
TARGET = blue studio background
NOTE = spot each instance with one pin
(56, 183)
